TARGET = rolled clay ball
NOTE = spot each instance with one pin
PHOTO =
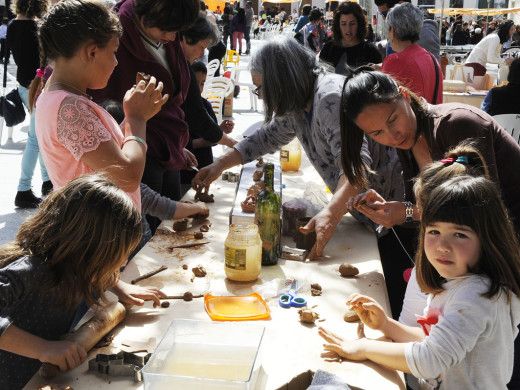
(348, 270)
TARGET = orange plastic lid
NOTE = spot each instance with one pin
(236, 308)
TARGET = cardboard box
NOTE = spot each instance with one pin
(228, 104)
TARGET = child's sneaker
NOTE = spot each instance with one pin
(47, 187)
(26, 200)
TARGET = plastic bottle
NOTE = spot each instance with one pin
(243, 253)
(267, 217)
(291, 156)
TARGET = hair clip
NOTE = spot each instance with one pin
(462, 160)
(404, 93)
(40, 73)
(447, 160)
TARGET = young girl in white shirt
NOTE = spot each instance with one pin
(468, 262)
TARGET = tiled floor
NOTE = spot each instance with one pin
(11, 150)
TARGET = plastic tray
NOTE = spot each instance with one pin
(236, 308)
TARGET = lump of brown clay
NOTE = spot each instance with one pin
(200, 216)
(249, 204)
(204, 228)
(185, 266)
(257, 175)
(204, 197)
(188, 296)
(308, 316)
(180, 225)
(316, 290)
(260, 163)
(165, 304)
(140, 76)
(199, 271)
(351, 316)
(198, 235)
(348, 270)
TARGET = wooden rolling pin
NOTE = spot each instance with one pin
(90, 333)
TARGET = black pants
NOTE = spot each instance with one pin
(166, 183)
(395, 261)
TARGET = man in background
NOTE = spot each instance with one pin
(249, 21)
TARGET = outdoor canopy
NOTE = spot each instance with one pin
(474, 11)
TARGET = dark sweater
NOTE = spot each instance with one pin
(360, 54)
(23, 42)
(167, 132)
(505, 100)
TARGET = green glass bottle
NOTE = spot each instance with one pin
(267, 217)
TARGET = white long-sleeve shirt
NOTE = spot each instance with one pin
(471, 346)
(487, 50)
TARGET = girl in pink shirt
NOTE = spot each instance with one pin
(80, 39)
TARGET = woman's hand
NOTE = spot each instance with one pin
(227, 126)
(368, 310)
(324, 224)
(205, 177)
(143, 101)
(191, 160)
(64, 354)
(136, 295)
(371, 204)
(351, 349)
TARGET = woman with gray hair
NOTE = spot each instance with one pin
(411, 65)
(302, 99)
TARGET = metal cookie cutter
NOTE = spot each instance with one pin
(120, 364)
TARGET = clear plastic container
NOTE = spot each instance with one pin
(243, 253)
(291, 156)
(195, 355)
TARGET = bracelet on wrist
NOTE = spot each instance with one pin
(135, 138)
(408, 212)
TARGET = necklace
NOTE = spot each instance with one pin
(72, 87)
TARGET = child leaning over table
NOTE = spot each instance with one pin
(70, 251)
(468, 261)
(153, 203)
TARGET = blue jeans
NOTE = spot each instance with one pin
(32, 150)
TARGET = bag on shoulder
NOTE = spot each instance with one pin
(12, 109)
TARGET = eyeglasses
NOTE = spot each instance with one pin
(256, 91)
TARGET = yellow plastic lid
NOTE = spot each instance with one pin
(236, 308)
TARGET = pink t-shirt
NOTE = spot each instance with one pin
(414, 68)
(67, 126)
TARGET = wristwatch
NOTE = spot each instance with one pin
(408, 212)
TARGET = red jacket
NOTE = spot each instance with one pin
(167, 132)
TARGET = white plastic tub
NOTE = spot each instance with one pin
(196, 355)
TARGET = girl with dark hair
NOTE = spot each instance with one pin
(71, 250)
(374, 106)
(237, 28)
(77, 136)
(488, 50)
(226, 20)
(349, 30)
(468, 262)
